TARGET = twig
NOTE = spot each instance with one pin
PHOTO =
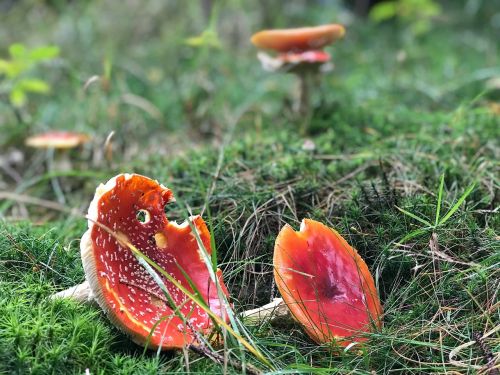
(205, 350)
(490, 358)
(39, 202)
(459, 348)
(216, 357)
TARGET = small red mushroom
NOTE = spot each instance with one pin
(326, 284)
(57, 143)
(300, 51)
(130, 207)
(57, 139)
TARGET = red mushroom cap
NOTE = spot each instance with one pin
(299, 39)
(57, 139)
(325, 283)
(128, 294)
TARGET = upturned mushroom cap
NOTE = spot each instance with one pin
(133, 301)
(57, 139)
(325, 283)
(299, 39)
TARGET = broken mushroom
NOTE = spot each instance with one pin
(326, 284)
(129, 209)
(299, 51)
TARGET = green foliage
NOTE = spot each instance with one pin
(208, 38)
(15, 72)
(417, 14)
(438, 220)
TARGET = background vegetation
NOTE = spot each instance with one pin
(405, 105)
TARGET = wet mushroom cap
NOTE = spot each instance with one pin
(57, 139)
(325, 283)
(299, 39)
(130, 207)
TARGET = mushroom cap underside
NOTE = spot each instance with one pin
(298, 39)
(325, 283)
(312, 57)
(296, 62)
(130, 208)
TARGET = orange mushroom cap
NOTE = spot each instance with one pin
(57, 139)
(299, 39)
(133, 301)
(325, 283)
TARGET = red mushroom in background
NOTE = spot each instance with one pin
(299, 51)
(131, 207)
(298, 39)
(57, 143)
(326, 284)
(57, 139)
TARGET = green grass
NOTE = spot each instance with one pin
(220, 133)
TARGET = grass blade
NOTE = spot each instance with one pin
(413, 234)
(457, 204)
(439, 200)
(418, 218)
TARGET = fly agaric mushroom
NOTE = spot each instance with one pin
(129, 208)
(59, 141)
(326, 284)
(299, 51)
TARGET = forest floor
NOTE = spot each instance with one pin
(398, 112)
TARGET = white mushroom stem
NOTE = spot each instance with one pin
(275, 310)
(80, 293)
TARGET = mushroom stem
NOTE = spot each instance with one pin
(56, 186)
(272, 311)
(304, 109)
(80, 293)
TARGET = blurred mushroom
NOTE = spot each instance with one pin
(326, 284)
(57, 143)
(129, 209)
(298, 39)
(57, 140)
(300, 51)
